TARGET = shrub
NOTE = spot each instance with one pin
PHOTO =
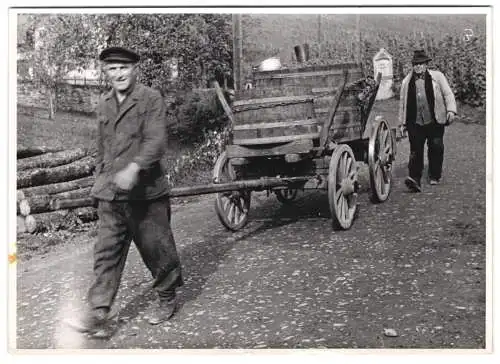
(195, 113)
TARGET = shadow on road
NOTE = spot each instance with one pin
(202, 258)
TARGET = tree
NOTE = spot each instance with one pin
(200, 45)
(60, 42)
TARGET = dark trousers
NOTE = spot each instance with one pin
(432, 133)
(147, 223)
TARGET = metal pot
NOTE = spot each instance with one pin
(270, 64)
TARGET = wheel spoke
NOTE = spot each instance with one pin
(340, 209)
(383, 133)
(376, 176)
(340, 169)
(386, 174)
(345, 208)
(339, 197)
(230, 214)
(376, 168)
(348, 163)
(381, 181)
(227, 201)
(237, 214)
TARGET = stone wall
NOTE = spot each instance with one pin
(72, 98)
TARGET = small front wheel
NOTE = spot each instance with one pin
(287, 195)
(231, 207)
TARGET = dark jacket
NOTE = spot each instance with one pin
(133, 132)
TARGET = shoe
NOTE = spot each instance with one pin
(92, 322)
(412, 185)
(433, 181)
(163, 311)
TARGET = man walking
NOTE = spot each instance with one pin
(131, 190)
(427, 105)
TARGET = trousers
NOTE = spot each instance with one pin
(147, 223)
(418, 134)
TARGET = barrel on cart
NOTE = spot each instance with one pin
(306, 128)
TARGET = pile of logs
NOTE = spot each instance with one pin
(53, 188)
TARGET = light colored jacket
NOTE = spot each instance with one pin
(444, 100)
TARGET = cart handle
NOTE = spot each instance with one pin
(378, 79)
(225, 105)
(323, 138)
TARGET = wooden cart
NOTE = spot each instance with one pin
(299, 129)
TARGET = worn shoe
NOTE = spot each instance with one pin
(91, 322)
(433, 181)
(163, 311)
(412, 185)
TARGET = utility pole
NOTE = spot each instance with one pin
(358, 33)
(237, 50)
(319, 36)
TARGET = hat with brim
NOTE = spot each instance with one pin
(420, 57)
(119, 54)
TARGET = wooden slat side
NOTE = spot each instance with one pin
(297, 146)
(271, 140)
(276, 132)
(285, 123)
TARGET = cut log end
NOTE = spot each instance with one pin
(21, 225)
(20, 196)
(34, 205)
(61, 219)
(24, 208)
(30, 224)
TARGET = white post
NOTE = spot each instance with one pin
(382, 62)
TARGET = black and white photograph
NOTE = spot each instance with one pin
(250, 178)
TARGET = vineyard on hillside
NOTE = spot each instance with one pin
(456, 44)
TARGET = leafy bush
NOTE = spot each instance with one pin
(202, 157)
(195, 113)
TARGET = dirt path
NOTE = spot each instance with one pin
(415, 264)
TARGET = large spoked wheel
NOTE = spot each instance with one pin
(342, 187)
(381, 155)
(287, 195)
(231, 207)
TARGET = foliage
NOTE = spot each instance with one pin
(460, 55)
(196, 112)
(199, 44)
(202, 157)
(58, 45)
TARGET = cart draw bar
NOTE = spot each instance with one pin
(253, 184)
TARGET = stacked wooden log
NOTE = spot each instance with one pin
(53, 188)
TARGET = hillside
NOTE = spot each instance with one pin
(266, 35)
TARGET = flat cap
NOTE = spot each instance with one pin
(119, 54)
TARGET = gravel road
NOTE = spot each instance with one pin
(409, 274)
